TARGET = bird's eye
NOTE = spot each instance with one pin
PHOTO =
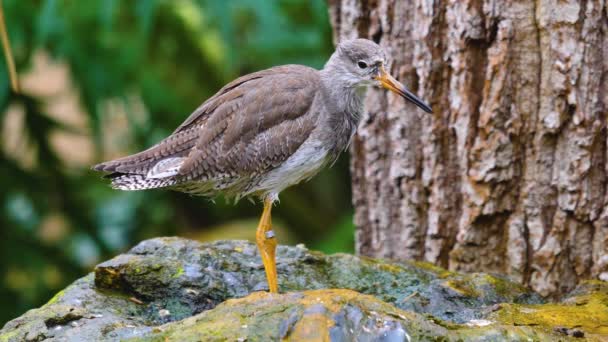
(362, 64)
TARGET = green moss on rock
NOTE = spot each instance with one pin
(56, 297)
(171, 287)
(586, 310)
(330, 315)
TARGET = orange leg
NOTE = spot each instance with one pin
(267, 245)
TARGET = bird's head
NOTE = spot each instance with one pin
(362, 63)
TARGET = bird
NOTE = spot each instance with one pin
(264, 132)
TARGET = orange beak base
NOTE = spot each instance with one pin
(390, 83)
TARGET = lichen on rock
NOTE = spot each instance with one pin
(178, 289)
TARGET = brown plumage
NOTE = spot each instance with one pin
(264, 132)
(250, 126)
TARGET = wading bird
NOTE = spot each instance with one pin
(264, 132)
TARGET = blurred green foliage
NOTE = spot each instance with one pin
(171, 55)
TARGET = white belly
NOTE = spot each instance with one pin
(306, 162)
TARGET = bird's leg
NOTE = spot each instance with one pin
(267, 244)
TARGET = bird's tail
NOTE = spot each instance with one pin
(132, 181)
(156, 167)
(127, 174)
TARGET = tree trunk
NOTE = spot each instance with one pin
(509, 173)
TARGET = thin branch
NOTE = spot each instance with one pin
(10, 63)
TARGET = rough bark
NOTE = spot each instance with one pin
(509, 173)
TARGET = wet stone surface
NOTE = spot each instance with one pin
(178, 289)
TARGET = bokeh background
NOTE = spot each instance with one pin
(101, 79)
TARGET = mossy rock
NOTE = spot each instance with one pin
(178, 289)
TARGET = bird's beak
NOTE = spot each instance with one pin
(390, 83)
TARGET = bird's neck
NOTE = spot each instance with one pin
(343, 106)
(344, 96)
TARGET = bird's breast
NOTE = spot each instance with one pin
(326, 142)
(306, 162)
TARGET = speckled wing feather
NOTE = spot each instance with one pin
(251, 125)
(258, 123)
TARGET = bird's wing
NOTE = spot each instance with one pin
(181, 141)
(252, 124)
(255, 122)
